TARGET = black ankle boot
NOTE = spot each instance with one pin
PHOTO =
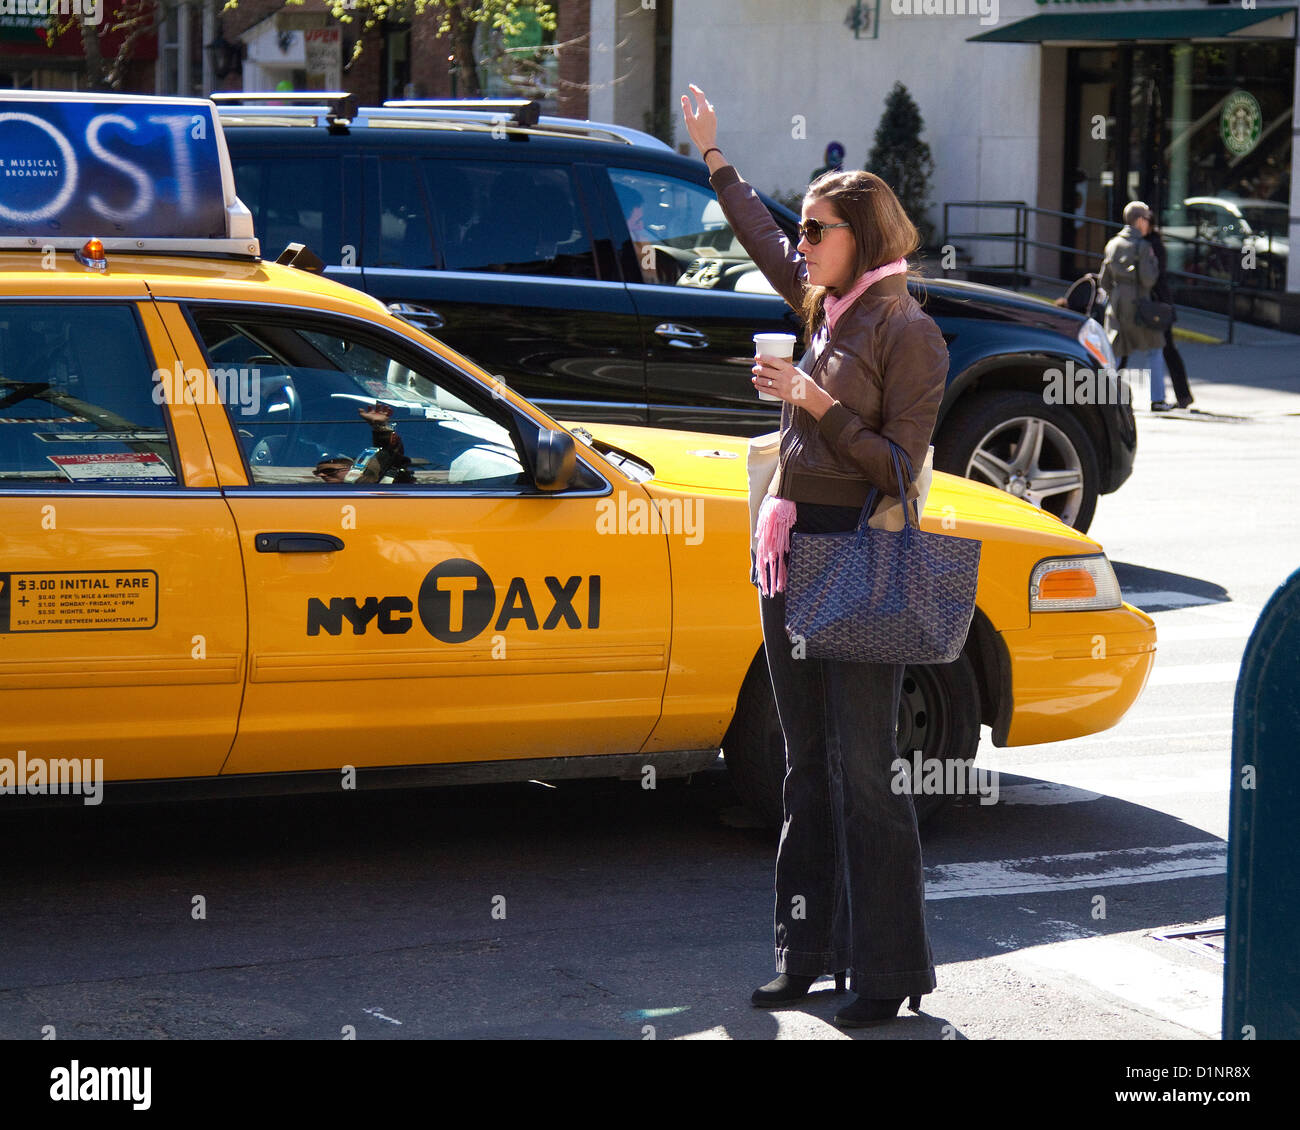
(867, 1012)
(789, 987)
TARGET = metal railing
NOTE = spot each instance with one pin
(1202, 250)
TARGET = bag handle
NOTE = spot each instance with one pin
(899, 459)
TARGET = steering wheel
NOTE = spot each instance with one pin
(670, 263)
(718, 272)
(275, 449)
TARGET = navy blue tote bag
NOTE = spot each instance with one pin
(882, 596)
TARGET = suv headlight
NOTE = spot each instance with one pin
(1073, 584)
(1093, 338)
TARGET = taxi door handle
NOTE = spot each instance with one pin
(287, 542)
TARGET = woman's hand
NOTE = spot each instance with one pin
(701, 122)
(791, 384)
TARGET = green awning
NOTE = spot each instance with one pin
(1124, 27)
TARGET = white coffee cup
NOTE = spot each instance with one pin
(779, 347)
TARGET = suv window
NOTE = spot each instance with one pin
(680, 217)
(320, 406)
(397, 233)
(80, 403)
(515, 217)
(293, 200)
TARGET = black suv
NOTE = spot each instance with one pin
(591, 268)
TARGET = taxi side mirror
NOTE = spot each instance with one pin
(556, 459)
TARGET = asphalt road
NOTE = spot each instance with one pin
(602, 910)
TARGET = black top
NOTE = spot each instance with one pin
(820, 518)
(1160, 292)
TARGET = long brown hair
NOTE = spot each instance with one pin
(880, 228)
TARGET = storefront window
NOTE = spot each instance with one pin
(1202, 133)
(1092, 188)
(1227, 159)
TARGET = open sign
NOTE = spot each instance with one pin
(110, 167)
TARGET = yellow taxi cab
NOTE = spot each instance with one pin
(261, 534)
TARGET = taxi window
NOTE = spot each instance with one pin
(77, 399)
(320, 407)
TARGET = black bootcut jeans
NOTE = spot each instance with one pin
(850, 889)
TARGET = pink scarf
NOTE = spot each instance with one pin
(834, 307)
(776, 517)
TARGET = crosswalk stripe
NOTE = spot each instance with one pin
(1177, 992)
(1106, 737)
(1162, 719)
(1187, 674)
(1045, 792)
(1189, 633)
(1088, 869)
(1166, 599)
(1093, 787)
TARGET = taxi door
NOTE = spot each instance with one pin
(122, 629)
(413, 598)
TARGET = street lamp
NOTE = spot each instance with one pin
(226, 57)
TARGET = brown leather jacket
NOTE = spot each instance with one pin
(885, 364)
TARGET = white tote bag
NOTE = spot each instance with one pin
(764, 455)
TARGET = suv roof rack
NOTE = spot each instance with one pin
(480, 112)
(338, 111)
(332, 108)
(524, 111)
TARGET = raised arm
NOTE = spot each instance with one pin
(759, 234)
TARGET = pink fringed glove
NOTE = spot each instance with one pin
(775, 520)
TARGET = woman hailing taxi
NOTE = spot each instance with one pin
(850, 890)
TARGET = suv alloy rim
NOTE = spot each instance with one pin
(1032, 459)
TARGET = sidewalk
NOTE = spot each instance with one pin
(1257, 375)
(1202, 324)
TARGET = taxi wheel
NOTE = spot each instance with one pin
(754, 746)
(938, 714)
(938, 723)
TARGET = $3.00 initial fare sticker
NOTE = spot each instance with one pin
(78, 602)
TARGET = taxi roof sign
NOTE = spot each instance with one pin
(140, 173)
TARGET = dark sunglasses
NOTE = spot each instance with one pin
(811, 230)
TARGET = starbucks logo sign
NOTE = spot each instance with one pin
(1241, 122)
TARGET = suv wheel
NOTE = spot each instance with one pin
(1015, 442)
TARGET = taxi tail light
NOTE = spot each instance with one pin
(1074, 584)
